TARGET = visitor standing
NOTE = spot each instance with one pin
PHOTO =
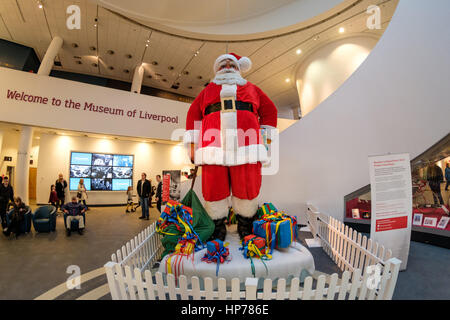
(447, 176)
(53, 199)
(82, 193)
(129, 200)
(158, 193)
(435, 177)
(6, 195)
(143, 189)
(60, 186)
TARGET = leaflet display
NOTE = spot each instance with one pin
(101, 172)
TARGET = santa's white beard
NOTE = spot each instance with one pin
(229, 76)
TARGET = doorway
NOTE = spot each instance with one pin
(32, 178)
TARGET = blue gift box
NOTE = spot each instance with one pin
(281, 238)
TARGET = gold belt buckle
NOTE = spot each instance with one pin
(223, 104)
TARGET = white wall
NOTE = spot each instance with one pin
(328, 67)
(9, 149)
(54, 157)
(396, 101)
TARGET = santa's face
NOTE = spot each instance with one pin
(228, 66)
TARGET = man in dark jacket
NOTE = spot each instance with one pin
(447, 175)
(158, 193)
(60, 186)
(143, 189)
(6, 195)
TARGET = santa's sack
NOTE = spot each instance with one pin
(279, 230)
(201, 223)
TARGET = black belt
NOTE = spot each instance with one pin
(218, 107)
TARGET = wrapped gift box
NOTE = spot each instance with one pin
(266, 209)
(259, 242)
(279, 231)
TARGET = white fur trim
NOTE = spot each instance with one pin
(229, 78)
(244, 207)
(217, 209)
(191, 136)
(245, 64)
(265, 126)
(228, 90)
(245, 154)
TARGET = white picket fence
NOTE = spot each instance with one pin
(142, 251)
(130, 277)
(349, 249)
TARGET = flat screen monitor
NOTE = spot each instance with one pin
(101, 171)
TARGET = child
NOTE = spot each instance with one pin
(53, 196)
(130, 199)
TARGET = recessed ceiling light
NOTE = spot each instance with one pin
(111, 68)
(287, 80)
(341, 30)
(126, 71)
(95, 65)
(298, 51)
(186, 72)
(146, 45)
(190, 87)
(154, 63)
(164, 80)
(129, 56)
(200, 77)
(40, 6)
(74, 45)
(111, 52)
(170, 67)
(92, 48)
(78, 62)
(149, 76)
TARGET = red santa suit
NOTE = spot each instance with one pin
(228, 140)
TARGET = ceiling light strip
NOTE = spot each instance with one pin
(301, 43)
(238, 41)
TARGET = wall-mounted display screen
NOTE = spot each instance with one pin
(101, 172)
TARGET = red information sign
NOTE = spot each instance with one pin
(392, 223)
(166, 188)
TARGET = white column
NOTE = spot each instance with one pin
(47, 62)
(1, 143)
(137, 79)
(23, 163)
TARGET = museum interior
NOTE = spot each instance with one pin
(259, 150)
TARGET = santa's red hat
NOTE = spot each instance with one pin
(244, 64)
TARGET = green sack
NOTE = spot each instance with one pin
(202, 224)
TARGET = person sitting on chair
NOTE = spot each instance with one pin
(17, 217)
(74, 210)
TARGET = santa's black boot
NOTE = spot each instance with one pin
(244, 225)
(220, 230)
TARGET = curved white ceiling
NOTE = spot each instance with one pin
(218, 19)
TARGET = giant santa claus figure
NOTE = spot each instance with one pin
(223, 133)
